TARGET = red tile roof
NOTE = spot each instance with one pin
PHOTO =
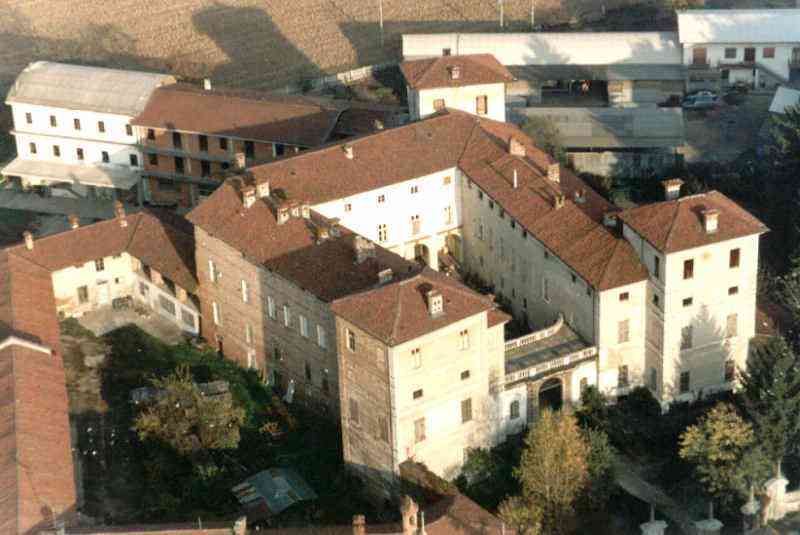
(472, 69)
(677, 225)
(398, 312)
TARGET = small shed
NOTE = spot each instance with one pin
(271, 491)
(785, 97)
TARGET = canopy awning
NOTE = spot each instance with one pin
(51, 173)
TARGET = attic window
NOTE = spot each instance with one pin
(446, 51)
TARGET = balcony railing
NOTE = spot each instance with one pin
(554, 364)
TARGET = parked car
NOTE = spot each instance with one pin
(700, 102)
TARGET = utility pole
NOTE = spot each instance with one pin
(380, 15)
(533, 14)
(500, 2)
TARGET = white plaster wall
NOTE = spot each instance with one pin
(518, 393)
(114, 124)
(462, 98)
(716, 55)
(149, 294)
(119, 155)
(117, 277)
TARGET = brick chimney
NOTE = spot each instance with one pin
(385, 276)
(181, 294)
(558, 201)
(554, 172)
(455, 72)
(283, 214)
(348, 151)
(74, 222)
(580, 196)
(408, 512)
(672, 188)
(262, 190)
(363, 248)
(207, 84)
(335, 229)
(248, 196)
(710, 220)
(610, 219)
(435, 302)
(239, 160)
(515, 147)
(119, 210)
(305, 210)
(28, 240)
(359, 525)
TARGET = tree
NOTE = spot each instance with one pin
(601, 470)
(593, 411)
(546, 136)
(185, 418)
(523, 516)
(771, 392)
(723, 449)
(786, 138)
(553, 469)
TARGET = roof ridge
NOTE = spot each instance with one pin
(672, 226)
(433, 62)
(135, 229)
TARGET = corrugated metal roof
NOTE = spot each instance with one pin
(79, 87)
(785, 97)
(739, 26)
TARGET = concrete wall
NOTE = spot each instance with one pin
(715, 54)
(613, 163)
(460, 98)
(158, 298)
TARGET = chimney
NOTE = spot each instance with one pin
(580, 196)
(305, 209)
(28, 240)
(435, 303)
(119, 210)
(359, 525)
(239, 160)
(283, 214)
(516, 182)
(559, 201)
(554, 172)
(408, 512)
(385, 276)
(248, 196)
(610, 219)
(710, 220)
(455, 72)
(295, 208)
(262, 190)
(336, 231)
(323, 233)
(74, 222)
(364, 249)
(207, 84)
(348, 151)
(672, 188)
(156, 277)
(516, 148)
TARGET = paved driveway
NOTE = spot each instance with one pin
(106, 319)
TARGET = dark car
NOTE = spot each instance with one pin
(701, 101)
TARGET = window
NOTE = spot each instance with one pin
(101, 127)
(417, 394)
(688, 302)
(303, 326)
(168, 185)
(734, 258)
(733, 290)
(463, 339)
(216, 314)
(153, 159)
(203, 141)
(350, 338)
(481, 105)
(187, 317)
(56, 151)
(749, 55)
(179, 164)
(354, 411)
(547, 257)
(656, 300)
(465, 375)
(466, 410)
(99, 264)
(28, 118)
(447, 180)
(76, 123)
(128, 130)
(279, 149)
(326, 384)
(623, 331)
(584, 384)
(513, 410)
(657, 267)
(177, 141)
(730, 53)
(685, 382)
(104, 157)
(688, 269)
(271, 307)
(416, 358)
(383, 429)
(414, 189)
(53, 121)
(32, 148)
(287, 316)
(348, 207)
(768, 52)
(79, 153)
(419, 430)
(205, 168)
(223, 143)
(249, 149)
(686, 337)
(730, 371)
(151, 134)
(653, 379)
(383, 233)
(438, 104)
(624, 296)
(732, 325)
(248, 334)
(381, 199)
(308, 372)
(245, 292)
(446, 52)
(212, 271)
(622, 377)
(322, 337)
(416, 225)
(134, 160)
(545, 291)
(83, 294)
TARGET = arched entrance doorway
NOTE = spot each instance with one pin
(421, 254)
(551, 395)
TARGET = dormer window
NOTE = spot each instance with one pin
(435, 303)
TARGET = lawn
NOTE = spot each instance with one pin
(130, 481)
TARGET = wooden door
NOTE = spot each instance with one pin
(699, 56)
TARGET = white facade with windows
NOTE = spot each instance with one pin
(484, 100)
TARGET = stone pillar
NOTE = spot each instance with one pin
(749, 511)
(776, 494)
(653, 527)
(709, 526)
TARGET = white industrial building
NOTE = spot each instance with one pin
(72, 129)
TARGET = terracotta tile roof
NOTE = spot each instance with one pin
(35, 450)
(398, 312)
(325, 268)
(677, 225)
(472, 69)
(243, 114)
(160, 239)
(496, 317)
(458, 515)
